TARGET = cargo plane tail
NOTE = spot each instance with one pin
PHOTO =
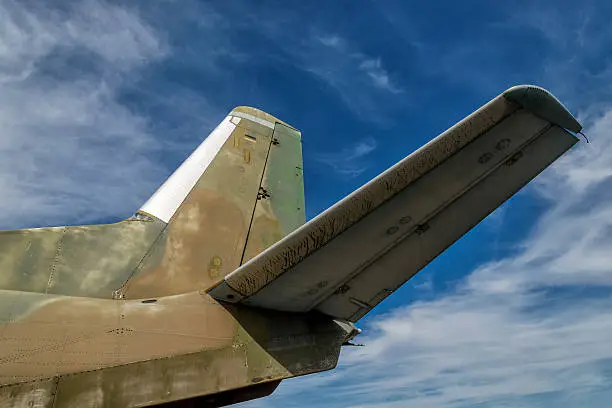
(217, 289)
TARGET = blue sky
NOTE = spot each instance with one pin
(100, 101)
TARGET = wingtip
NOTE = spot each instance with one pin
(544, 104)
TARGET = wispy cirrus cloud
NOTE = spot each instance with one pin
(114, 34)
(369, 66)
(380, 77)
(70, 149)
(350, 161)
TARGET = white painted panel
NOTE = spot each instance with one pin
(253, 118)
(168, 198)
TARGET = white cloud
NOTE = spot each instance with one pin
(115, 34)
(333, 41)
(69, 149)
(359, 80)
(354, 62)
(380, 77)
(528, 330)
(350, 161)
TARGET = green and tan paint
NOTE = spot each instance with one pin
(118, 315)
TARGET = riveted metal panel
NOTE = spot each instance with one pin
(280, 205)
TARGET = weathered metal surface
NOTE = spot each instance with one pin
(224, 398)
(319, 232)
(91, 260)
(360, 246)
(46, 335)
(278, 259)
(280, 206)
(415, 246)
(130, 353)
(155, 338)
(205, 238)
(34, 394)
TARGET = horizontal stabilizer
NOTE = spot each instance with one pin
(353, 255)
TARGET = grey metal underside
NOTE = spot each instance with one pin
(351, 257)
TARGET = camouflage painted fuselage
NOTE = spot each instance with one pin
(118, 315)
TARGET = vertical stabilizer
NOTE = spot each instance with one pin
(239, 192)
